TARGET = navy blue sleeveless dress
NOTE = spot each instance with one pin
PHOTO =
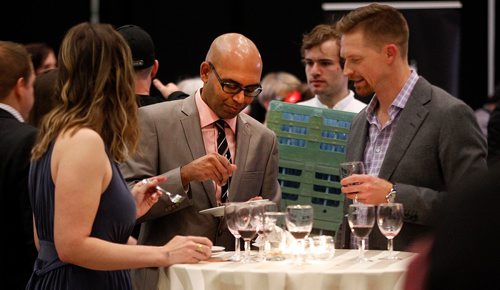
(114, 222)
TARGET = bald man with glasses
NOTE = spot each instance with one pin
(179, 139)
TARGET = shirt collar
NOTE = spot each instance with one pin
(13, 111)
(208, 116)
(342, 104)
(400, 100)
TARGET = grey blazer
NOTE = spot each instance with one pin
(170, 138)
(437, 143)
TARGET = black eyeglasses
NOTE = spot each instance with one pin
(235, 88)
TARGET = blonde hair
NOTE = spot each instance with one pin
(95, 89)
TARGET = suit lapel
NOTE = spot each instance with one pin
(242, 143)
(410, 121)
(356, 148)
(192, 132)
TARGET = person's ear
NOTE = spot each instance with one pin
(154, 71)
(204, 70)
(391, 52)
(20, 87)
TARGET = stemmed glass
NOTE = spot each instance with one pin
(347, 169)
(264, 225)
(390, 222)
(299, 221)
(230, 216)
(246, 222)
(350, 168)
(361, 219)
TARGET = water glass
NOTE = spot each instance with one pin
(321, 247)
(277, 238)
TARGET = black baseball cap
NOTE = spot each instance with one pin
(141, 45)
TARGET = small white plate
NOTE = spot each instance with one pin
(215, 211)
(259, 200)
(219, 210)
(216, 249)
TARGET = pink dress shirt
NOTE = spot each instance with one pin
(209, 133)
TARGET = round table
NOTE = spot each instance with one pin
(343, 271)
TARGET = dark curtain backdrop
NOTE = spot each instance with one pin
(435, 46)
(183, 31)
(40, 20)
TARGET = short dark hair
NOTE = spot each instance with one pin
(39, 52)
(15, 63)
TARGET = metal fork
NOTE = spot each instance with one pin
(175, 198)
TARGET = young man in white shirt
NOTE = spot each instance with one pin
(324, 71)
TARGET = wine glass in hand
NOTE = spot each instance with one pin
(390, 222)
(350, 168)
(361, 219)
(299, 221)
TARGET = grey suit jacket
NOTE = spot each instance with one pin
(437, 143)
(170, 138)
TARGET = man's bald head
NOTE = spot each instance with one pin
(231, 74)
(234, 48)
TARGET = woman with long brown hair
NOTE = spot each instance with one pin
(84, 212)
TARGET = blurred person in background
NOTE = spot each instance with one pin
(17, 138)
(484, 112)
(45, 99)
(494, 130)
(450, 257)
(146, 67)
(42, 56)
(275, 86)
(190, 85)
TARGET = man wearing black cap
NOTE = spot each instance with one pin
(146, 67)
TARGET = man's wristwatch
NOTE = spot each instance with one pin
(391, 196)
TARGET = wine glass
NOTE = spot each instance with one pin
(299, 221)
(350, 168)
(230, 216)
(347, 169)
(390, 222)
(246, 222)
(264, 225)
(361, 219)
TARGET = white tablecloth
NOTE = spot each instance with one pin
(340, 272)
